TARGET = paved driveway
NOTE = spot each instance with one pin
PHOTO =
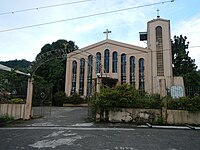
(58, 116)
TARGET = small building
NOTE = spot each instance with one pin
(125, 63)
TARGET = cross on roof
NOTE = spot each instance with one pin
(158, 15)
(107, 32)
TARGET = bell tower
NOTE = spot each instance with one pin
(160, 53)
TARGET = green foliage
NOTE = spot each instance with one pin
(12, 85)
(125, 96)
(54, 71)
(75, 99)
(59, 98)
(183, 65)
(17, 101)
(11, 80)
(41, 86)
(17, 64)
(4, 118)
(185, 103)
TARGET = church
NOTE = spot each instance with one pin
(124, 63)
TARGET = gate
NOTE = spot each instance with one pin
(42, 99)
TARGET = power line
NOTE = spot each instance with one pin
(43, 7)
(193, 46)
(86, 16)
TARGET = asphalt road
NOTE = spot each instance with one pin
(73, 133)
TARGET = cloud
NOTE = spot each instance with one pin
(191, 29)
(26, 43)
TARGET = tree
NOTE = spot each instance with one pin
(21, 65)
(54, 71)
(183, 65)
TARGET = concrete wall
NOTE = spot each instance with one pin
(182, 117)
(140, 116)
(16, 111)
(134, 115)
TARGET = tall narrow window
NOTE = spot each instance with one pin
(106, 60)
(132, 70)
(89, 77)
(114, 62)
(81, 79)
(123, 68)
(141, 74)
(159, 51)
(74, 73)
(98, 62)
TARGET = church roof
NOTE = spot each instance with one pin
(158, 19)
(113, 42)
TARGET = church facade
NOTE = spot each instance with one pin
(142, 67)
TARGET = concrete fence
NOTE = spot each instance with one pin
(17, 111)
(140, 116)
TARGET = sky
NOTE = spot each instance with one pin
(184, 16)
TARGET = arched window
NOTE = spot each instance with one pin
(132, 70)
(114, 62)
(158, 31)
(159, 51)
(98, 62)
(74, 73)
(141, 74)
(106, 60)
(81, 79)
(123, 68)
(89, 77)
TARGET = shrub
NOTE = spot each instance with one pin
(74, 99)
(59, 98)
(4, 118)
(185, 103)
(17, 101)
(125, 96)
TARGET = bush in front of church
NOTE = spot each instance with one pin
(75, 99)
(59, 98)
(125, 96)
(185, 103)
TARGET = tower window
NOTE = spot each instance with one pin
(159, 51)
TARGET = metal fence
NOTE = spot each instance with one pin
(192, 91)
(178, 91)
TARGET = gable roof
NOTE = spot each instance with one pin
(112, 42)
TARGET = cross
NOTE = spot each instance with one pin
(158, 16)
(107, 32)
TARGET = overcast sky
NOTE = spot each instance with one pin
(125, 25)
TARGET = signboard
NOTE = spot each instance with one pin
(143, 36)
(177, 91)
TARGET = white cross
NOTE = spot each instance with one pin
(107, 32)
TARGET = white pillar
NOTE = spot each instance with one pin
(28, 106)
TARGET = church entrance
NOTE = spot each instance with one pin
(110, 82)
